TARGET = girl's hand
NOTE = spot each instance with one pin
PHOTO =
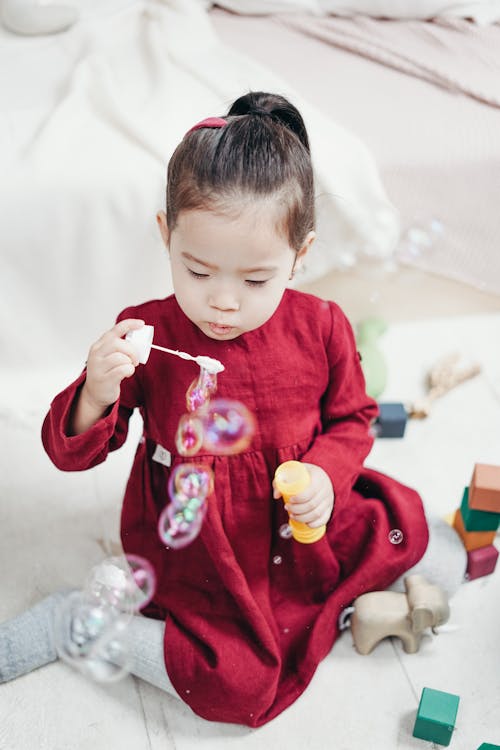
(313, 505)
(110, 360)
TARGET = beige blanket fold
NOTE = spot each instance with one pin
(448, 52)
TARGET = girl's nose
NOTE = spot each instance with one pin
(224, 301)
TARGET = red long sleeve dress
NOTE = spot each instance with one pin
(244, 632)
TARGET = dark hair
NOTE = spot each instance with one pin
(262, 151)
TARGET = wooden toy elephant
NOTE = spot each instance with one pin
(380, 614)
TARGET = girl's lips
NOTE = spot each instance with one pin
(220, 329)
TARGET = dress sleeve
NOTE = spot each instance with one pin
(80, 452)
(347, 413)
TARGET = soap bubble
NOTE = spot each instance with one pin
(189, 436)
(190, 482)
(285, 531)
(395, 536)
(89, 637)
(109, 662)
(126, 582)
(200, 390)
(419, 240)
(178, 527)
(144, 578)
(228, 426)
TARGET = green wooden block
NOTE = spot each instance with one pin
(488, 746)
(436, 716)
(477, 520)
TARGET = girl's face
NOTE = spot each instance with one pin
(229, 272)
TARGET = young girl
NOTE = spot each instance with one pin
(241, 617)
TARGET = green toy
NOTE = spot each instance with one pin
(436, 716)
(372, 360)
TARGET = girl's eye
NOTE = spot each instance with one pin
(198, 275)
(252, 282)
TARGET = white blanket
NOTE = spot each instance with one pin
(88, 120)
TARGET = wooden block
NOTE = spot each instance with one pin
(449, 518)
(477, 520)
(472, 539)
(391, 421)
(484, 490)
(436, 716)
(481, 562)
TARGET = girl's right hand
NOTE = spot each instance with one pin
(111, 359)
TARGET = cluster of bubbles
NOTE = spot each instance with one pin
(90, 624)
(188, 487)
(420, 239)
(218, 426)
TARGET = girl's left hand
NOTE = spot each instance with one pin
(314, 505)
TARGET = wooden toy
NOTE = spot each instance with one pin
(484, 490)
(472, 539)
(443, 376)
(372, 360)
(391, 421)
(436, 716)
(380, 614)
(477, 520)
(481, 562)
(291, 477)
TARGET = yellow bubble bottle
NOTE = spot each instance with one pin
(290, 478)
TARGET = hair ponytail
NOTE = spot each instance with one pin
(274, 106)
(262, 152)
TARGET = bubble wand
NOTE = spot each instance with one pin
(142, 340)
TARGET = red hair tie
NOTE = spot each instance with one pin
(209, 122)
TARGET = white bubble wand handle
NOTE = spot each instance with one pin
(142, 340)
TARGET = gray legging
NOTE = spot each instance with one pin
(26, 641)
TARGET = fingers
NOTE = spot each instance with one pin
(314, 512)
(124, 326)
(112, 341)
(111, 359)
(313, 506)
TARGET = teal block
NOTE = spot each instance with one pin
(477, 520)
(436, 716)
(488, 746)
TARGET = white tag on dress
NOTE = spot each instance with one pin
(162, 455)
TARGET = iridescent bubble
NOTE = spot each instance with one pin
(285, 531)
(419, 239)
(189, 436)
(277, 559)
(201, 389)
(228, 426)
(395, 536)
(88, 636)
(125, 582)
(108, 662)
(144, 581)
(178, 527)
(190, 482)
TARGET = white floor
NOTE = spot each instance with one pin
(55, 526)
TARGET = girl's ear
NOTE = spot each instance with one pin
(161, 220)
(301, 254)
